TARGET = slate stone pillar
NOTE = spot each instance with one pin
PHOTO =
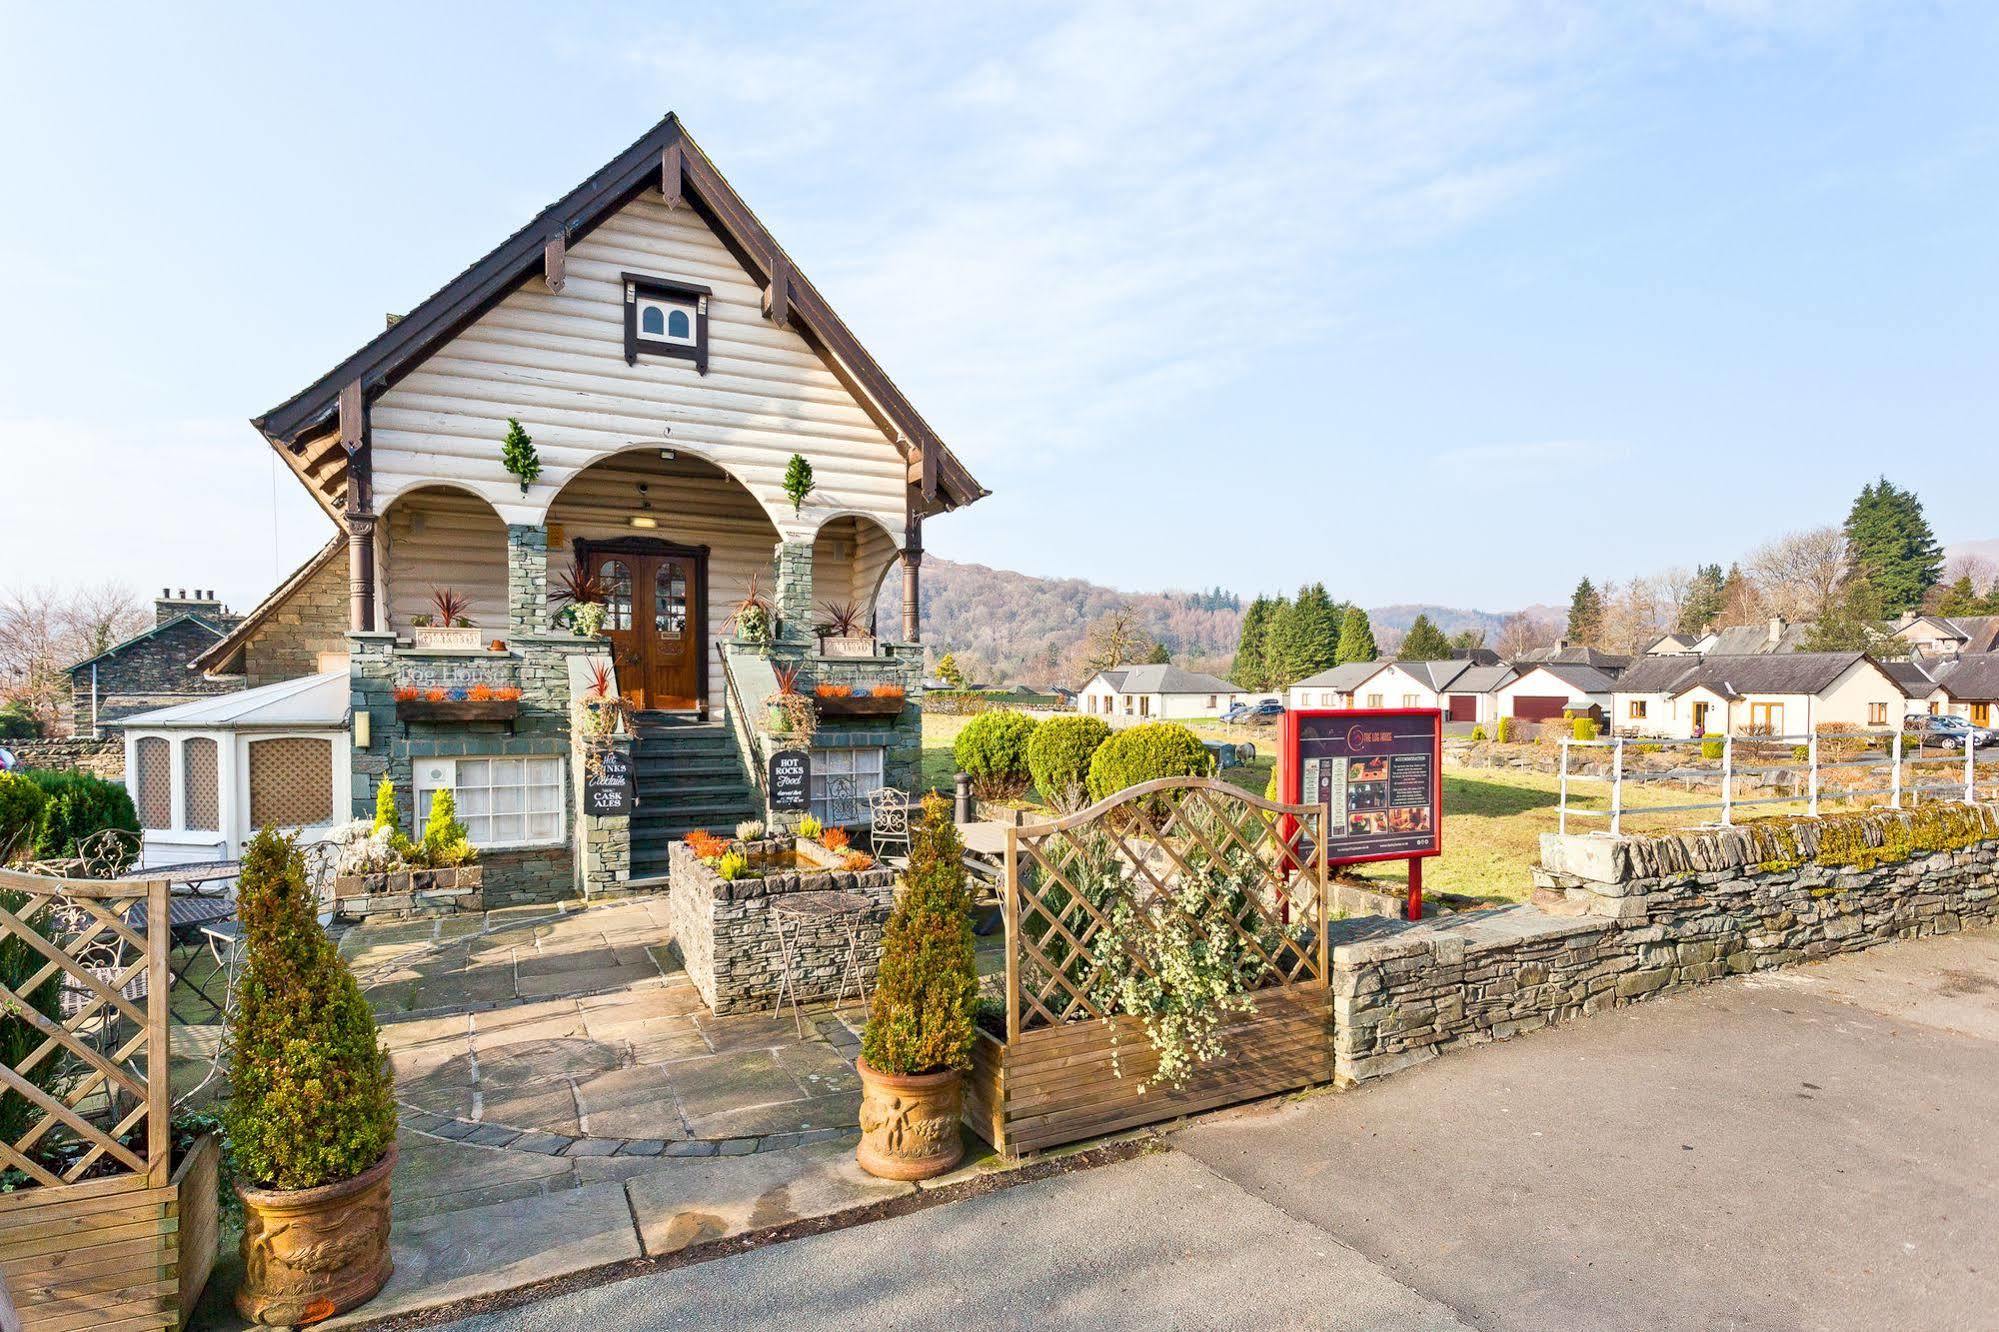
(527, 578)
(794, 589)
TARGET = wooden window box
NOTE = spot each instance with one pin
(457, 710)
(854, 706)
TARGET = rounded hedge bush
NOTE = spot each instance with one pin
(21, 803)
(78, 805)
(1142, 753)
(992, 749)
(1059, 753)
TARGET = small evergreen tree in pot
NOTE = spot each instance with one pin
(311, 1116)
(920, 1021)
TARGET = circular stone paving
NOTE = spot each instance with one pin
(577, 1036)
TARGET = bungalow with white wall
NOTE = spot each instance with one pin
(1784, 694)
(205, 775)
(1949, 636)
(1967, 688)
(1336, 687)
(1545, 691)
(1155, 692)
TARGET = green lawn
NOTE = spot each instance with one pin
(1493, 818)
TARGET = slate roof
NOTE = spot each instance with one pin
(1343, 679)
(1596, 658)
(1917, 681)
(1481, 678)
(1165, 679)
(1971, 679)
(1773, 673)
(1656, 675)
(1583, 679)
(1750, 640)
(215, 624)
(1671, 644)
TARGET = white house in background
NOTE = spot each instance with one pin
(1156, 691)
(1544, 691)
(1671, 645)
(1967, 687)
(1949, 636)
(206, 775)
(1334, 688)
(1783, 694)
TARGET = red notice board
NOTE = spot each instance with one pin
(1381, 770)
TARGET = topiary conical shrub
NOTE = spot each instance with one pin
(920, 1019)
(386, 815)
(311, 1095)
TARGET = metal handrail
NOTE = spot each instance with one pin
(740, 717)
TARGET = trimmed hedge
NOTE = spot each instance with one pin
(1143, 753)
(1059, 753)
(21, 805)
(992, 749)
(78, 805)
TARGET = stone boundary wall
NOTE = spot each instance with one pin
(1619, 919)
(100, 758)
(730, 948)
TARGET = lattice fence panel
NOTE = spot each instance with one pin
(152, 781)
(83, 1084)
(201, 783)
(1247, 874)
(291, 782)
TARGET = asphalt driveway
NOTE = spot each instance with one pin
(1812, 1150)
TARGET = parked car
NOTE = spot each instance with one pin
(1269, 707)
(1236, 713)
(1948, 732)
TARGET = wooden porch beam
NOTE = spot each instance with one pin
(777, 296)
(359, 517)
(554, 262)
(671, 176)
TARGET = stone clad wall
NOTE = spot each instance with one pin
(1623, 918)
(730, 948)
(100, 758)
(312, 621)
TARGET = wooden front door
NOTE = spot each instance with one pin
(655, 614)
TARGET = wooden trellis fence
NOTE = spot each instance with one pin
(87, 1237)
(1244, 875)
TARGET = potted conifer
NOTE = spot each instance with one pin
(920, 1030)
(311, 1115)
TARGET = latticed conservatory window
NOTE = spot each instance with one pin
(291, 782)
(501, 801)
(617, 581)
(669, 614)
(153, 781)
(199, 784)
(842, 781)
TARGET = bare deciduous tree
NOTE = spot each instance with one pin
(1799, 576)
(1521, 633)
(45, 630)
(1116, 640)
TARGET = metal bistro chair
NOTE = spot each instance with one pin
(888, 823)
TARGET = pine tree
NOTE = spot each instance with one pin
(1424, 642)
(1357, 637)
(1854, 623)
(1738, 598)
(1249, 668)
(1961, 598)
(1276, 655)
(1705, 601)
(385, 807)
(948, 672)
(1890, 544)
(1467, 640)
(1586, 615)
(1158, 656)
(1315, 641)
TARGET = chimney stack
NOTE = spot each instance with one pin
(1776, 628)
(176, 601)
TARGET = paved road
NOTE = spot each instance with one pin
(1808, 1151)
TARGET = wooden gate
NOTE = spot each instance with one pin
(87, 1236)
(1246, 876)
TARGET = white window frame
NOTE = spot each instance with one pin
(424, 780)
(862, 762)
(667, 305)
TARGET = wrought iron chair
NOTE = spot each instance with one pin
(108, 853)
(888, 823)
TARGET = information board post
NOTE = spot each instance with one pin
(1379, 771)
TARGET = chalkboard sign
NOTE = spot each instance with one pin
(609, 793)
(791, 780)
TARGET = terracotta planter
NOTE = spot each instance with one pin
(309, 1254)
(909, 1125)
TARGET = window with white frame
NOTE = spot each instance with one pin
(501, 801)
(842, 781)
(1374, 700)
(1409, 700)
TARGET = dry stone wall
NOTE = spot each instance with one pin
(1620, 919)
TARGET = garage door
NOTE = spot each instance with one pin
(1538, 707)
(1463, 708)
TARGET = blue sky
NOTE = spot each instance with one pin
(1446, 303)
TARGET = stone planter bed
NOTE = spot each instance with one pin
(728, 941)
(434, 892)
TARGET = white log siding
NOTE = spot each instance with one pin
(434, 538)
(695, 505)
(557, 363)
(850, 557)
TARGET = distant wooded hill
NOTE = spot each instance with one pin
(1007, 627)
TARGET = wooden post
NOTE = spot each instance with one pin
(1727, 779)
(1895, 771)
(1562, 800)
(1812, 779)
(1012, 934)
(1617, 786)
(159, 1061)
(1325, 890)
(912, 562)
(1970, 766)
(360, 518)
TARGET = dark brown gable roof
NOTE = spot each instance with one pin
(404, 345)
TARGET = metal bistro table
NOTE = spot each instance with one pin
(792, 915)
(193, 907)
